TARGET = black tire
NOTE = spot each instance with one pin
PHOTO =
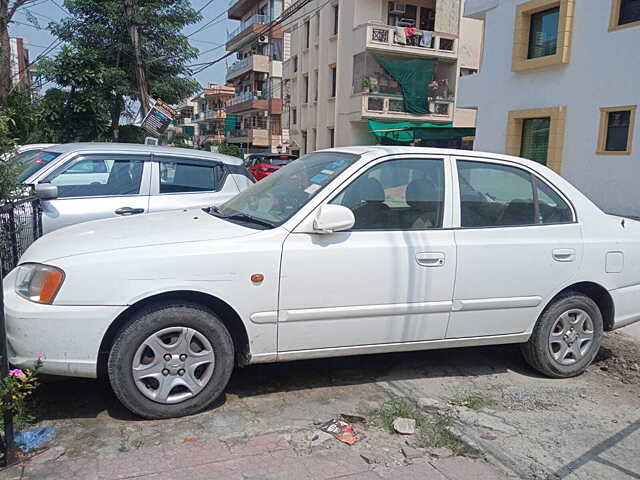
(537, 351)
(153, 319)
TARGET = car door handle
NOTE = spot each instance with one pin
(129, 211)
(430, 259)
(564, 254)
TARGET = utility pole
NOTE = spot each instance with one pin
(130, 8)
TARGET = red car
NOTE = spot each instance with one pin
(262, 164)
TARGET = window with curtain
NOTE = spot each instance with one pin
(535, 139)
(543, 33)
(629, 11)
(617, 131)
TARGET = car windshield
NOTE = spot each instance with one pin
(272, 201)
(32, 161)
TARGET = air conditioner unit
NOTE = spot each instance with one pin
(398, 8)
(263, 39)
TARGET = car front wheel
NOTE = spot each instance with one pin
(566, 338)
(171, 360)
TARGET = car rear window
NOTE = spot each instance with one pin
(32, 161)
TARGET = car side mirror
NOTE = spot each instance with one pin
(333, 218)
(46, 191)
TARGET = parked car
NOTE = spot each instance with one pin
(372, 250)
(262, 164)
(88, 181)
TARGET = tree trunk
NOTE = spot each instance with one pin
(130, 7)
(116, 111)
(5, 56)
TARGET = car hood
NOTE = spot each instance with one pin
(174, 227)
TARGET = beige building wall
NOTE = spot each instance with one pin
(343, 118)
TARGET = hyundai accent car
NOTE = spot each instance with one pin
(88, 181)
(343, 252)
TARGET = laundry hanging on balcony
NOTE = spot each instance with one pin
(414, 77)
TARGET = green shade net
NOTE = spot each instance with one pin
(188, 130)
(407, 132)
(414, 77)
(230, 123)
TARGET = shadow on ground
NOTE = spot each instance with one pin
(63, 398)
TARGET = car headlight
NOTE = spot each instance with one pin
(38, 283)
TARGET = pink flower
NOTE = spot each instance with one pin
(40, 356)
(16, 373)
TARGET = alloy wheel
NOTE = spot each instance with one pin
(571, 337)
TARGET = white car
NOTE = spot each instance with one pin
(343, 252)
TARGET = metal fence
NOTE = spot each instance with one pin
(20, 226)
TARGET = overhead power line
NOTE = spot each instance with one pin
(288, 13)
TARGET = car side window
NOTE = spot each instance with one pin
(401, 194)
(551, 207)
(494, 195)
(184, 176)
(99, 176)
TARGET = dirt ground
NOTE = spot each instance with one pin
(527, 425)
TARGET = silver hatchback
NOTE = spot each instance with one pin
(89, 181)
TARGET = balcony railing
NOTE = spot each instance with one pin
(393, 106)
(248, 96)
(256, 19)
(379, 35)
(215, 114)
(239, 65)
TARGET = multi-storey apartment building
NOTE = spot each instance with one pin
(185, 121)
(378, 71)
(558, 85)
(210, 113)
(256, 74)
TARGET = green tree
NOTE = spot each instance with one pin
(230, 149)
(98, 60)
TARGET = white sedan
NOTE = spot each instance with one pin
(343, 252)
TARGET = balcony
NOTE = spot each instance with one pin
(258, 137)
(217, 114)
(256, 63)
(383, 38)
(245, 30)
(391, 107)
(254, 101)
(239, 8)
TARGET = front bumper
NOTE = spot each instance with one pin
(69, 337)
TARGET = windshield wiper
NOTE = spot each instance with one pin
(243, 217)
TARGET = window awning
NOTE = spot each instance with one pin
(407, 132)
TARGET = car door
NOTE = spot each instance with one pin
(387, 280)
(518, 243)
(185, 182)
(96, 186)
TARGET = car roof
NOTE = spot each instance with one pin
(141, 148)
(382, 150)
(34, 146)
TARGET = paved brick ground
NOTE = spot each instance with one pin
(267, 457)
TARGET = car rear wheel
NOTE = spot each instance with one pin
(566, 338)
(171, 360)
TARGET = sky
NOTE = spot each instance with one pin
(208, 38)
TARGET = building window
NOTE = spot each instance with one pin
(542, 34)
(334, 81)
(305, 147)
(535, 139)
(315, 81)
(307, 33)
(537, 134)
(294, 115)
(332, 138)
(306, 89)
(616, 130)
(624, 13)
(295, 63)
(317, 26)
(335, 19)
